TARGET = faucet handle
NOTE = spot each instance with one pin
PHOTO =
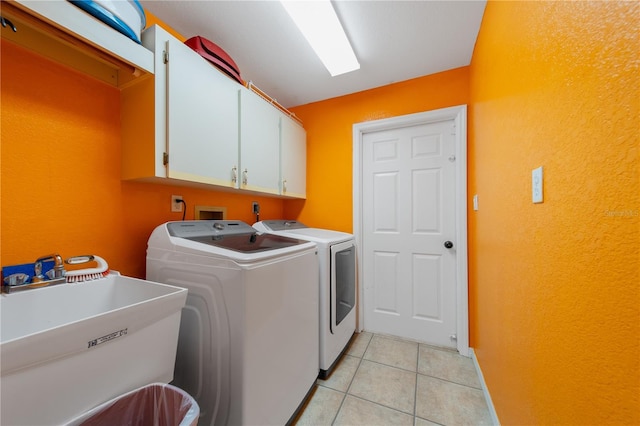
(37, 270)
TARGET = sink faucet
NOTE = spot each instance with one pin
(58, 267)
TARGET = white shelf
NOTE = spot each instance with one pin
(76, 38)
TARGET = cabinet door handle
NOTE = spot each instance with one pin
(245, 177)
(284, 185)
(234, 174)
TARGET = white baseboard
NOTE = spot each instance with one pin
(487, 396)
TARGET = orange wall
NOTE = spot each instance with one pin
(554, 287)
(60, 176)
(329, 126)
(554, 310)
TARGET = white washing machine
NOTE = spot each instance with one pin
(248, 343)
(337, 280)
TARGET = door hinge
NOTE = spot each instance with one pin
(165, 56)
(453, 337)
(165, 158)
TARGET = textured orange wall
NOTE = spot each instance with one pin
(329, 126)
(60, 172)
(153, 20)
(554, 287)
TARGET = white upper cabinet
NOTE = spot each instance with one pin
(259, 144)
(182, 124)
(202, 119)
(193, 125)
(293, 158)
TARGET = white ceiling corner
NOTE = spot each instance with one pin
(393, 40)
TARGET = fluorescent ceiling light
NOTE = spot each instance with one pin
(318, 22)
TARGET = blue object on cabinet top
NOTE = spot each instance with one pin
(106, 16)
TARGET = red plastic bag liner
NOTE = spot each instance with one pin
(156, 404)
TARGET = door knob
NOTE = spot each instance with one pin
(448, 244)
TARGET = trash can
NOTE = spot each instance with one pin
(157, 404)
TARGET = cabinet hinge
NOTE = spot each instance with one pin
(165, 158)
(165, 56)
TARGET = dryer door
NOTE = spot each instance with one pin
(343, 282)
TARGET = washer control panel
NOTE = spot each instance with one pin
(208, 228)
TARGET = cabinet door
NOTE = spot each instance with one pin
(293, 158)
(202, 119)
(259, 144)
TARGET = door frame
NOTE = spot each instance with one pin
(459, 115)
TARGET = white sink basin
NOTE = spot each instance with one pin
(67, 348)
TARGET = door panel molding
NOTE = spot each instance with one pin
(459, 115)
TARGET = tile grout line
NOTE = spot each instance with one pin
(388, 365)
(443, 379)
(382, 405)
(417, 363)
(450, 381)
(415, 390)
(416, 373)
(346, 392)
(384, 365)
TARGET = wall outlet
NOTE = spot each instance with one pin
(176, 203)
(475, 202)
(255, 207)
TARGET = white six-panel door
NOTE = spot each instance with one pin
(408, 214)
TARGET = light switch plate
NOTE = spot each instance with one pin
(536, 185)
(475, 202)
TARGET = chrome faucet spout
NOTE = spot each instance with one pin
(58, 265)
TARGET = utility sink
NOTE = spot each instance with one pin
(68, 348)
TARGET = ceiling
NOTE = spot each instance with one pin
(393, 40)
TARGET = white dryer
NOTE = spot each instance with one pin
(337, 281)
(248, 343)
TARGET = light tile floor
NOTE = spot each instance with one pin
(384, 380)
